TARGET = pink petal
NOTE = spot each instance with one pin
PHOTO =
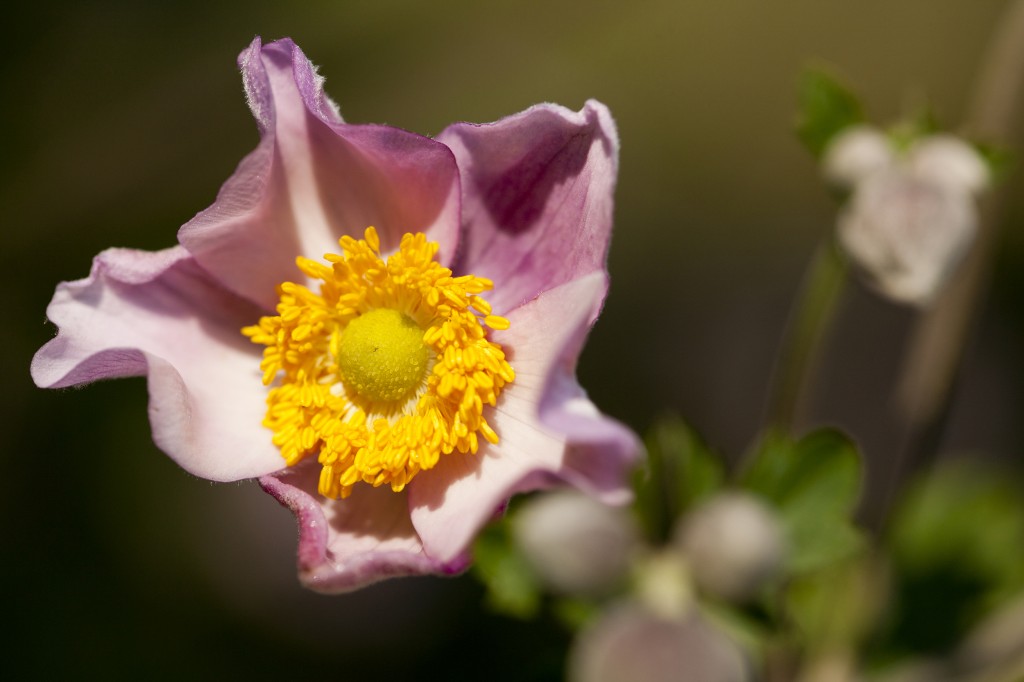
(537, 198)
(160, 314)
(314, 178)
(550, 432)
(351, 543)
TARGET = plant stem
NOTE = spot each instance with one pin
(801, 349)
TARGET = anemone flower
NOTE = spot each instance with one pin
(414, 309)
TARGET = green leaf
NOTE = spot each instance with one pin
(956, 547)
(680, 472)
(1000, 160)
(827, 106)
(512, 587)
(814, 483)
(837, 606)
(967, 516)
(747, 631)
(922, 123)
(575, 613)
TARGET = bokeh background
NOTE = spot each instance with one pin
(120, 120)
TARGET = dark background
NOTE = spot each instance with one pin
(121, 120)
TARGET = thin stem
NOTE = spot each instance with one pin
(801, 349)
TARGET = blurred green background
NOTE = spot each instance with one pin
(120, 121)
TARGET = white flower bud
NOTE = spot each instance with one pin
(734, 543)
(906, 233)
(949, 161)
(575, 544)
(629, 644)
(855, 154)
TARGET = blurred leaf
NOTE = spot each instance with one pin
(749, 632)
(967, 515)
(575, 613)
(957, 549)
(512, 587)
(1000, 160)
(814, 483)
(837, 606)
(826, 106)
(922, 123)
(680, 472)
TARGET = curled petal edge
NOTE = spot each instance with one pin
(323, 570)
(537, 191)
(313, 178)
(159, 315)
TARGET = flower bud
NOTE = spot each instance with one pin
(734, 544)
(574, 543)
(906, 233)
(628, 643)
(911, 217)
(855, 154)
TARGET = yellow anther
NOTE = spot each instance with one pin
(495, 322)
(372, 239)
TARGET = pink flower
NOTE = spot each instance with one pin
(525, 203)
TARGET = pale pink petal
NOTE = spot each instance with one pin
(314, 178)
(347, 544)
(160, 314)
(537, 198)
(550, 433)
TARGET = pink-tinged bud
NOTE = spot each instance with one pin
(906, 233)
(911, 217)
(734, 544)
(628, 643)
(575, 544)
(856, 154)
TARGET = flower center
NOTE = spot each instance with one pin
(385, 370)
(382, 356)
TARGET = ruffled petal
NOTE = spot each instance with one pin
(551, 434)
(161, 315)
(537, 197)
(314, 178)
(351, 543)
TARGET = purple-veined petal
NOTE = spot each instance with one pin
(314, 178)
(348, 544)
(550, 433)
(160, 314)
(537, 198)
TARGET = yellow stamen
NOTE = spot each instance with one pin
(384, 371)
